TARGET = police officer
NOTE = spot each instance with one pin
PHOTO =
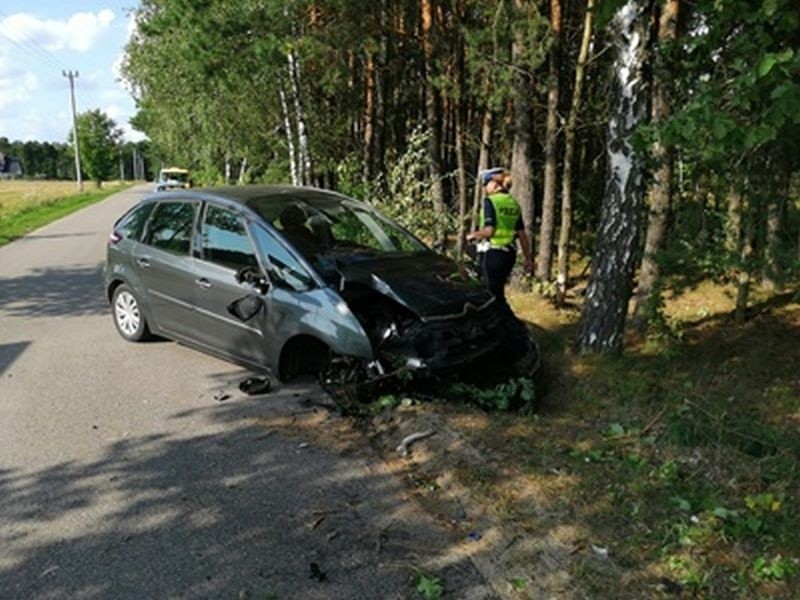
(500, 227)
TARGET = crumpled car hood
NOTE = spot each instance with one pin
(431, 286)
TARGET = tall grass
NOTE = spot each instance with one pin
(28, 205)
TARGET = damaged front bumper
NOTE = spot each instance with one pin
(429, 347)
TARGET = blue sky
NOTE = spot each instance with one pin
(41, 38)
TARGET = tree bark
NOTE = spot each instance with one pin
(544, 259)
(562, 278)
(611, 281)
(381, 83)
(287, 124)
(432, 115)
(242, 170)
(304, 155)
(369, 118)
(648, 291)
(483, 164)
(775, 203)
(461, 160)
(744, 278)
(733, 226)
(521, 170)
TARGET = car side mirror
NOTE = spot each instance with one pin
(253, 277)
(247, 307)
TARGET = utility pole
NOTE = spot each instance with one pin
(71, 76)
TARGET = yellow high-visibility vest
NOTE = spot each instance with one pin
(506, 215)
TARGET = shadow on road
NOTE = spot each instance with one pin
(33, 237)
(54, 292)
(10, 352)
(241, 513)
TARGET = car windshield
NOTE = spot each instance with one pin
(181, 176)
(328, 226)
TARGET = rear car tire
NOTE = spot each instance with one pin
(128, 317)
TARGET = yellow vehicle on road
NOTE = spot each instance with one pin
(171, 178)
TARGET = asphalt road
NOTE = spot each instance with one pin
(122, 476)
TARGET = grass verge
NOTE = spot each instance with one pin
(672, 471)
(681, 458)
(24, 213)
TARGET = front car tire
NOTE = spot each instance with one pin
(128, 316)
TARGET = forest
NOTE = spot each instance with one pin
(657, 138)
(54, 161)
(41, 160)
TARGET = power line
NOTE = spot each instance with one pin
(38, 52)
(87, 94)
(30, 46)
(30, 50)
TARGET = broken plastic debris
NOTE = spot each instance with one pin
(49, 570)
(402, 448)
(474, 536)
(303, 445)
(255, 385)
(600, 552)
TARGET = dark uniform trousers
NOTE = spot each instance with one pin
(496, 265)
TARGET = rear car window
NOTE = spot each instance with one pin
(171, 227)
(130, 226)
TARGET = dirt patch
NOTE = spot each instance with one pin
(445, 473)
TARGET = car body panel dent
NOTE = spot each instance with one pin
(320, 313)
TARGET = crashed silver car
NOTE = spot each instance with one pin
(291, 280)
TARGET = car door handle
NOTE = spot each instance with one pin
(203, 283)
(143, 262)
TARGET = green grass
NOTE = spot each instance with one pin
(681, 458)
(21, 219)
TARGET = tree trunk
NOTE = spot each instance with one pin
(287, 124)
(744, 278)
(369, 118)
(648, 290)
(611, 281)
(381, 83)
(775, 203)
(302, 136)
(544, 259)
(242, 170)
(432, 116)
(462, 183)
(521, 170)
(562, 279)
(733, 226)
(461, 160)
(483, 164)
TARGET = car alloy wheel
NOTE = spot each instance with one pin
(128, 316)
